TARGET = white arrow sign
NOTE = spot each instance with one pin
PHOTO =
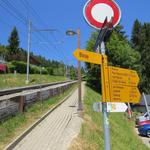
(116, 107)
(111, 107)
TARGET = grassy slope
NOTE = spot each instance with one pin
(91, 135)
(13, 126)
(10, 80)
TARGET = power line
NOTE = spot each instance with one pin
(11, 5)
(12, 12)
(34, 12)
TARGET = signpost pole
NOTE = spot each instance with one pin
(79, 77)
(105, 113)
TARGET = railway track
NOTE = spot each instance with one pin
(20, 89)
(17, 99)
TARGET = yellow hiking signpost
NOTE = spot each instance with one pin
(87, 56)
(118, 84)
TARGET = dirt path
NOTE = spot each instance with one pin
(57, 130)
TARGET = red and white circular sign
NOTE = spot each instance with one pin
(96, 11)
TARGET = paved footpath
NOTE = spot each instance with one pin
(57, 130)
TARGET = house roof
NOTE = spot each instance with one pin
(34, 60)
(142, 102)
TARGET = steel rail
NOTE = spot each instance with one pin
(19, 89)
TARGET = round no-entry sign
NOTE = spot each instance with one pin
(96, 11)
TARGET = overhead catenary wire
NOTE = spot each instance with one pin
(40, 20)
(12, 10)
(15, 10)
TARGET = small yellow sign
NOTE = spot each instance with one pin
(87, 56)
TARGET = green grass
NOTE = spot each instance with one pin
(10, 80)
(122, 134)
(13, 126)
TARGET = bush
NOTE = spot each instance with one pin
(44, 71)
(11, 68)
(50, 71)
(34, 69)
(21, 67)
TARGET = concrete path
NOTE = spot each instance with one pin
(57, 130)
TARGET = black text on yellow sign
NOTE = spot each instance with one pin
(88, 56)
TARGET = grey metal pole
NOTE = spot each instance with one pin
(28, 52)
(79, 77)
(105, 114)
(146, 104)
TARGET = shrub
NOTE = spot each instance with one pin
(34, 69)
(11, 68)
(21, 67)
(50, 71)
(44, 71)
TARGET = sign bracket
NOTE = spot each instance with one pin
(104, 33)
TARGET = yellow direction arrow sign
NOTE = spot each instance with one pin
(120, 85)
(88, 56)
(121, 93)
(123, 76)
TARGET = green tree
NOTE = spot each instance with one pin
(144, 49)
(136, 35)
(13, 41)
(73, 72)
(121, 54)
(3, 51)
(141, 42)
(92, 71)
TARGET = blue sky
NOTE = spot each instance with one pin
(60, 15)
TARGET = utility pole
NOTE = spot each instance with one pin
(29, 44)
(28, 52)
(80, 108)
